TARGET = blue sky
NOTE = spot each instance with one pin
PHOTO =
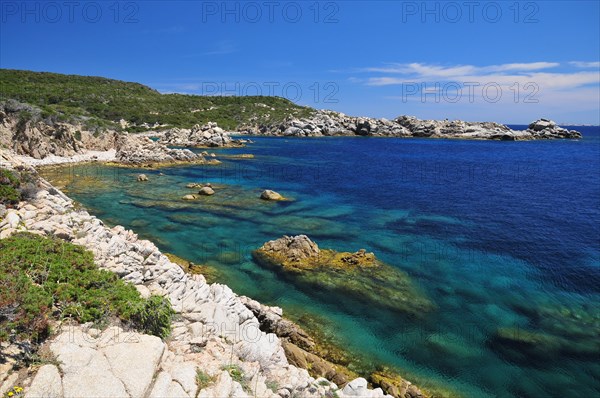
(510, 61)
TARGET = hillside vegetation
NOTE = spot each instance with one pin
(101, 102)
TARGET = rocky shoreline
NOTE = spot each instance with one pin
(330, 123)
(59, 142)
(215, 330)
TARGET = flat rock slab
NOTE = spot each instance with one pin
(46, 384)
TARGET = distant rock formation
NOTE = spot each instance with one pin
(132, 149)
(545, 128)
(207, 136)
(330, 123)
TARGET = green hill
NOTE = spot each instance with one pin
(101, 102)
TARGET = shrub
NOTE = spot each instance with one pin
(43, 278)
(9, 184)
(154, 316)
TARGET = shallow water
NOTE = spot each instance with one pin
(495, 234)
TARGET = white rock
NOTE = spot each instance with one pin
(86, 372)
(5, 233)
(8, 383)
(12, 219)
(161, 386)
(143, 290)
(185, 374)
(356, 388)
(135, 363)
(46, 384)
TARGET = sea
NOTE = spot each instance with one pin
(502, 237)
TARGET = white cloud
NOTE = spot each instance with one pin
(586, 65)
(505, 75)
(425, 70)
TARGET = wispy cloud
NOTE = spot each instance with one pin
(585, 65)
(222, 47)
(426, 70)
(504, 74)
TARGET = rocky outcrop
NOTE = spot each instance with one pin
(291, 249)
(330, 123)
(346, 277)
(207, 136)
(546, 128)
(394, 385)
(132, 149)
(300, 349)
(23, 130)
(206, 191)
(267, 194)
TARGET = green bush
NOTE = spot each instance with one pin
(43, 278)
(9, 184)
(154, 316)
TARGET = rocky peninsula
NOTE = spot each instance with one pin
(330, 123)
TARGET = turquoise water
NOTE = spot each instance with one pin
(502, 237)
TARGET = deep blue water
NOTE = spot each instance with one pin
(498, 235)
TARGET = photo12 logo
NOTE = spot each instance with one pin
(126, 12)
(453, 92)
(325, 12)
(469, 11)
(312, 92)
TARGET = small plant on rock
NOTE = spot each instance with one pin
(203, 379)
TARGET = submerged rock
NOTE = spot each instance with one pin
(188, 197)
(196, 185)
(206, 191)
(142, 177)
(552, 333)
(356, 276)
(267, 194)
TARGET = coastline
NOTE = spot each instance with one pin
(209, 316)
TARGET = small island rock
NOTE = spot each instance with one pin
(271, 195)
(207, 191)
